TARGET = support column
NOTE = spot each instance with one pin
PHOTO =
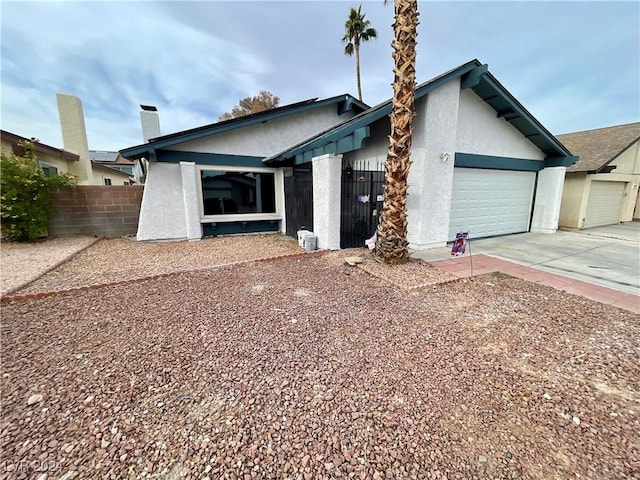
(191, 195)
(327, 175)
(546, 210)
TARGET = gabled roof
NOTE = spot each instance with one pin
(351, 134)
(110, 170)
(16, 140)
(599, 147)
(344, 103)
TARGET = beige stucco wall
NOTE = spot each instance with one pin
(116, 177)
(574, 200)
(628, 170)
(578, 185)
(61, 164)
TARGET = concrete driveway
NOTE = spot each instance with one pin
(606, 256)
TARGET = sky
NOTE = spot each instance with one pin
(574, 65)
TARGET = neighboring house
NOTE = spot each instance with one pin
(602, 188)
(480, 163)
(117, 162)
(54, 161)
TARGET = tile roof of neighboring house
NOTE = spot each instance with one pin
(597, 148)
(43, 148)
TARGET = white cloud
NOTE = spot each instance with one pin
(194, 60)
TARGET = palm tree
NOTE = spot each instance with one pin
(356, 31)
(391, 242)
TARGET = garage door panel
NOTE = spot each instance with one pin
(604, 204)
(490, 202)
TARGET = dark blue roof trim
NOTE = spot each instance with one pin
(332, 135)
(344, 104)
(472, 160)
(170, 156)
(472, 75)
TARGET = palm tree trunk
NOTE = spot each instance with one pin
(357, 49)
(391, 243)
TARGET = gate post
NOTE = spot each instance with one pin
(327, 176)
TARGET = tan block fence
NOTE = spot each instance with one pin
(102, 211)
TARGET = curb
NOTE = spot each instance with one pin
(9, 298)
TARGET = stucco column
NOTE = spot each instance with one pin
(431, 173)
(327, 175)
(546, 210)
(190, 193)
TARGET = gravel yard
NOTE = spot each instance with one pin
(22, 263)
(307, 368)
(118, 259)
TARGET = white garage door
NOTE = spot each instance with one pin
(490, 202)
(603, 206)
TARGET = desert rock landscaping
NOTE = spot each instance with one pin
(303, 367)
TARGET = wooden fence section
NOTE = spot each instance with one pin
(103, 211)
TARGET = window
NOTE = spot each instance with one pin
(126, 169)
(49, 170)
(107, 181)
(232, 193)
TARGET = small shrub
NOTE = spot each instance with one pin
(25, 197)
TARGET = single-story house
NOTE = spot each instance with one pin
(480, 163)
(602, 187)
(54, 161)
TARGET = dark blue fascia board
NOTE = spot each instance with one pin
(472, 78)
(349, 143)
(470, 160)
(220, 127)
(545, 141)
(365, 119)
(560, 161)
(170, 156)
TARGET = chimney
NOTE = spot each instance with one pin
(74, 135)
(150, 122)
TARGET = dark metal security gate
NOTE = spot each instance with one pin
(298, 193)
(361, 204)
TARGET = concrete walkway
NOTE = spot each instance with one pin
(602, 263)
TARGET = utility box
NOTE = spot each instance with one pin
(302, 234)
(310, 242)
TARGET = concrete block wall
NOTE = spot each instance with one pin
(103, 211)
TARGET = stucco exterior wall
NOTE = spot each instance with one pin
(162, 213)
(117, 178)
(264, 139)
(61, 164)
(546, 210)
(628, 170)
(574, 200)
(476, 119)
(431, 178)
(327, 183)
